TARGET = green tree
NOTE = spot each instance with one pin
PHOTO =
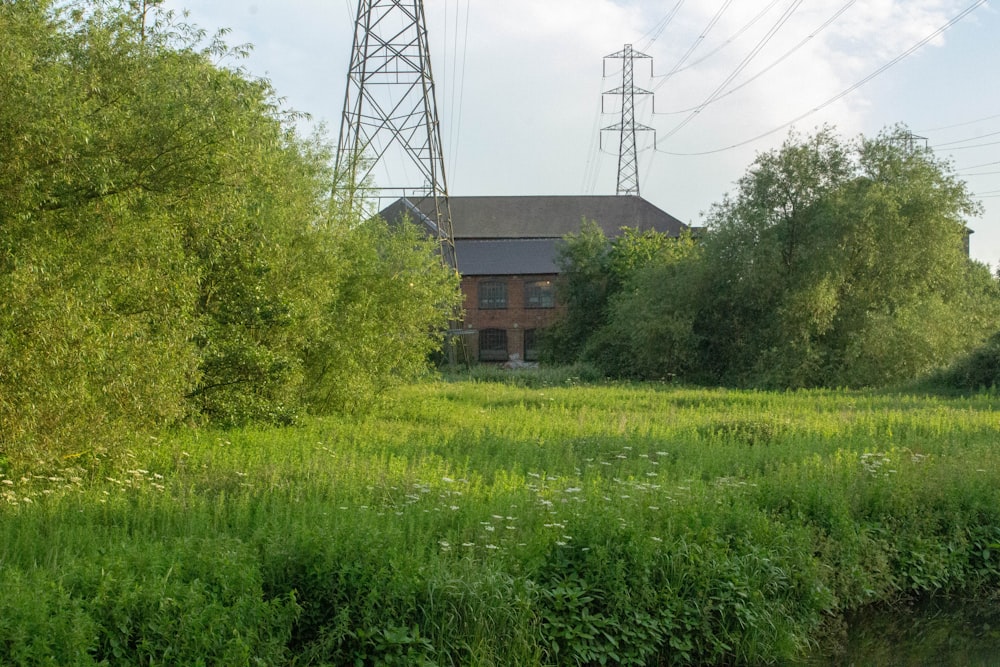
(650, 328)
(593, 269)
(169, 246)
(387, 314)
(770, 249)
(913, 301)
(95, 308)
(265, 274)
(834, 263)
(582, 289)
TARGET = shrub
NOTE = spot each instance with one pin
(978, 370)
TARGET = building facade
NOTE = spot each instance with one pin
(507, 313)
(507, 249)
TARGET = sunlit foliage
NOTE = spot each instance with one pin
(169, 246)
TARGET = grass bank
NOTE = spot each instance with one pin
(479, 523)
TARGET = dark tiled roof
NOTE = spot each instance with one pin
(544, 216)
(518, 235)
(500, 257)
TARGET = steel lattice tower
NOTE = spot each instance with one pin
(390, 115)
(628, 161)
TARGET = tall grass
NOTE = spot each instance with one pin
(479, 523)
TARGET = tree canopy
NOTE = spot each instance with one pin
(593, 270)
(834, 262)
(169, 246)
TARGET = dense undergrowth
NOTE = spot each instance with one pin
(479, 523)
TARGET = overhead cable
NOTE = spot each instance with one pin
(661, 26)
(982, 173)
(721, 46)
(774, 64)
(979, 166)
(968, 122)
(739, 68)
(844, 93)
(591, 168)
(962, 141)
(458, 75)
(962, 148)
(704, 33)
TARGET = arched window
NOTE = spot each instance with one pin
(531, 344)
(493, 345)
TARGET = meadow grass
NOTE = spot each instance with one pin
(532, 522)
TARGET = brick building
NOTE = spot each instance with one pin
(506, 249)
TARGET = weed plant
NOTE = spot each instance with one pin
(483, 523)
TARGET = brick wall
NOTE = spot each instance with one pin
(526, 310)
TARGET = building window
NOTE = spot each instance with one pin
(539, 294)
(530, 345)
(492, 295)
(493, 345)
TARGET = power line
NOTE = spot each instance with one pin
(962, 124)
(444, 45)
(696, 43)
(591, 168)
(774, 64)
(984, 173)
(661, 26)
(727, 42)
(962, 141)
(458, 75)
(741, 66)
(843, 93)
(979, 166)
(650, 158)
(962, 148)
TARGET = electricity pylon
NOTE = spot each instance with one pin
(390, 116)
(628, 159)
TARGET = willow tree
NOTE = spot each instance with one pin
(834, 262)
(842, 263)
(169, 246)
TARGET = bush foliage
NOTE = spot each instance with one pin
(169, 246)
(978, 370)
(834, 263)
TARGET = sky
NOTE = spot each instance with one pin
(519, 86)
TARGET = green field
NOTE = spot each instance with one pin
(481, 523)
